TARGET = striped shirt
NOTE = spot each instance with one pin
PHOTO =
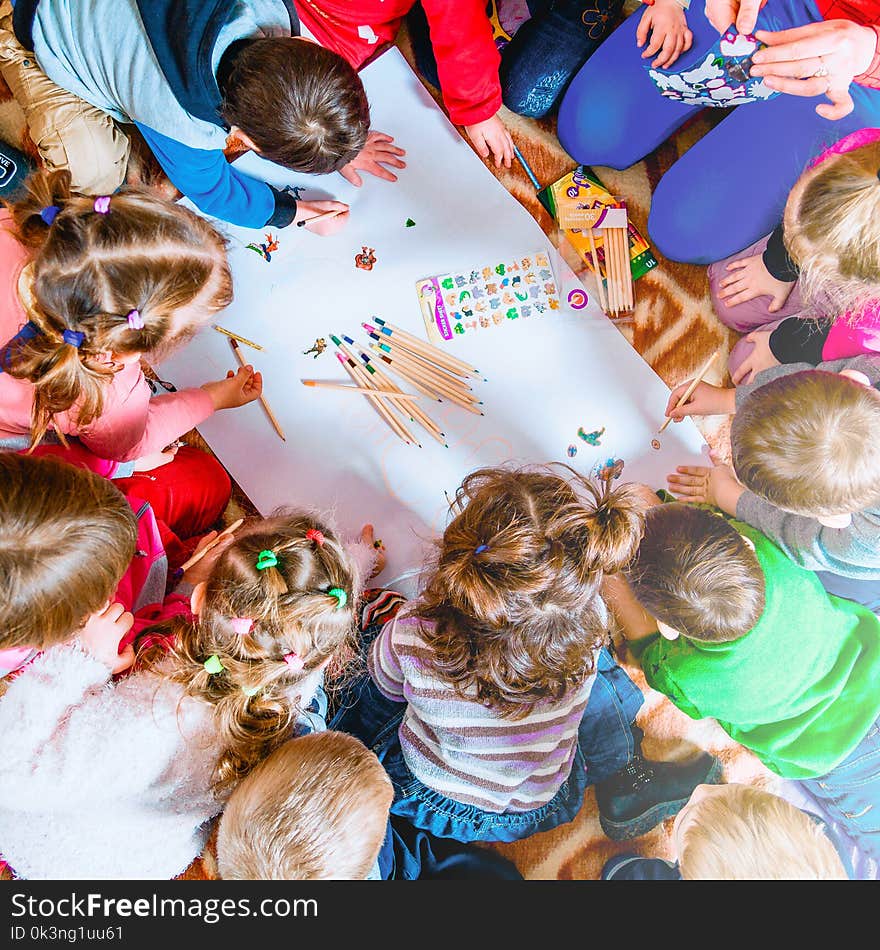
(464, 750)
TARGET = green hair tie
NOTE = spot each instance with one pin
(340, 595)
(250, 690)
(213, 664)
(266, 559)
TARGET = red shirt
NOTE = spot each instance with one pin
(467, 60)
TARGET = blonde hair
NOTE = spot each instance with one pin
(67, 537)
(808, 444)
(297, 626)
(832, 231)
(90, 271)
(740, 833)
(316, 809)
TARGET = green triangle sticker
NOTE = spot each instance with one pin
(410, 223)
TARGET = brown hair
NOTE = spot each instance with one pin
(89, 271)
(303, 105)
(808, 443)
(739, 833)
(512, 598)
(695, 573)
(316, 809)
(66, 538)
(292, 613)
(832, 231)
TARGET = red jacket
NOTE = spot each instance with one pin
(467, 60)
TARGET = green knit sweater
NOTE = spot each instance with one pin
(801, 689)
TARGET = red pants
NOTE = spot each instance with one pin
(187, 496)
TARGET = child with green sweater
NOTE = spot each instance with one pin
(728, 627)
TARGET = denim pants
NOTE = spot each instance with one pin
(850, 793)
(14, 168)
(606, 742)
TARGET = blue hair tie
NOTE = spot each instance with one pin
(73, 338)
(480, 548)
(49, 214)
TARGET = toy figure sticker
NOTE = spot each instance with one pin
(722, 79)
(472, 301)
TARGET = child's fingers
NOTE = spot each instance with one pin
(367, 535)
(656, 44)
(688, 41)
(738, 265)
(692, 471)
(741, 371)
(350, 175)
(643, 28)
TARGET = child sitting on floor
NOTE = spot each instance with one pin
(810, 292)
(727, 627)
(739, 833)
(806, 460)
(149, 759)
(318, 809)
(483, 699)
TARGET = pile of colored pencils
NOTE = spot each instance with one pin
(429, 370)
(618, 273)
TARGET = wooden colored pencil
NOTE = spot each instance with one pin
(694, 383)
(266, 408)
(433, 353)
(384, 357)
(332, 213)
(235, 336)
(620, 265)
(375, 402)
(406, 371)
(427, 377)
(600, 289)
(212, 544)
(342, 387)
(364, 377)
(621, 239)
(429, 369)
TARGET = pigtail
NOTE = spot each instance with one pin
(46, 196)
(614, 523)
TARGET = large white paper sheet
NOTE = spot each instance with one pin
(546, 376)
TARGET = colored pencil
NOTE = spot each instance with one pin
(694, 383)
(406, 371)
(266, 408)
(395, 349)
(429, 378)
(212, 544)
(526, 168)
(434, 353)
(375, 401)
(621, 238)
(342, 387)
(600, 290)
(332, 213)
(235, 336)
(415, 385)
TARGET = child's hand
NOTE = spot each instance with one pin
(238, 389)
(201, 570)
(758, 360)
(670, 36)
(749, 278)
(744, 13)
(368, 538)
(492, 136)
(102, 633)
(705, 400)
(146, 463)
(305, 210)
(714, 486)
(373, 157)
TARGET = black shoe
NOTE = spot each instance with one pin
(643, 793)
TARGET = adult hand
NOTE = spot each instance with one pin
(717, 486)
(670, 37)
(491, 136)
(238, 389)
(742, 13)
(306, 210)
(705, 400)
(368, 538)
(816, 59)
(758, 360)
(379, 151)
(146, 463)
(102, 632)
(749, 278)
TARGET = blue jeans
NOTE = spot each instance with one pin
(851, 792)
(606, 742)
(866, 593)
(14, 168)
(613, 115)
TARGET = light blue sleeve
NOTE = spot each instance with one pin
(211, 183)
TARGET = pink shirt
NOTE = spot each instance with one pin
(132, 423)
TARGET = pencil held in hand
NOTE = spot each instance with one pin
(694, 383)
(236, 349)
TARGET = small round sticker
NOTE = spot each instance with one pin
(655, 445)
(572, 451)
(578, 298)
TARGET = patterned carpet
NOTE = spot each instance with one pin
(674, 329)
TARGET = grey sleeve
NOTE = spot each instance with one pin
(869, 365)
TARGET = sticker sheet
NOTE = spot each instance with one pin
(476, 300)
(722, 79)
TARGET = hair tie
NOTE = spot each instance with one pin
(294, 661)
(480, 548)
(135, 320)
(213, 664)
(73, 338)
(266, 559)
(49, 214)
(313, 534)
(340, 595)
(250, 690)
(241, 625)
(102, 204)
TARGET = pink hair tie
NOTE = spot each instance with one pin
(241, 625)
(135, 320)
(313, 534)
(294, 661)
(102, 204)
